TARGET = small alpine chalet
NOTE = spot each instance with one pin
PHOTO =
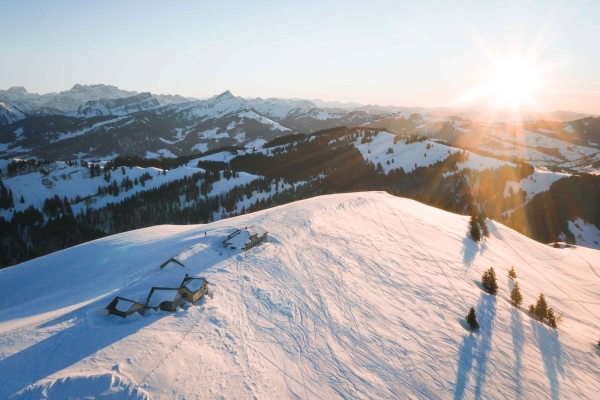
(166, 299)
(245, 239)
(193, 289)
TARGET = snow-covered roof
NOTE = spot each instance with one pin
(124, 305)
(256, 231)
(194, 284)
(160, 295)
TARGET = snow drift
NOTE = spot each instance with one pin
(355, 295)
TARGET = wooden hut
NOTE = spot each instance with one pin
(192, 289)
(166, 299)
(245, 239)
(124, 307)
(255, 237)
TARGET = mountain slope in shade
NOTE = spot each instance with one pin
(9, 114)
(123, 106)
(69, 101)
(355, 295)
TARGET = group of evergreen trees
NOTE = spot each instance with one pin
(488, 281)
(6, 197)
(478, 227)
(541, 309)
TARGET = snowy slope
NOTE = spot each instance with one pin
(418, 154)
(356, 295)
(58, 178)
(9, 114)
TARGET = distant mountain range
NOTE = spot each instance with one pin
(100, 121)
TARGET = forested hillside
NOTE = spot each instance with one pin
(237, 181)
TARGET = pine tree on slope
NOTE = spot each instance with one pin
(541, 307)
(531, 310)
(474, 229)
(472, 319)
(512, 274)
(515, 296)
(488, 280)
(484, 228)
(551, 317)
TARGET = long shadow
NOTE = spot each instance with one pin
(551, 350)
(470, 250)
(518, 337)
(67, 347)
(486, 313)
(475, 349)
(465, 363)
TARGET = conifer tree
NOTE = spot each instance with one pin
(515, 296)
(512, 274)
(488, 280)
(484, 228)
(474, 229)
(531, 310)
(541, 307)
(551, 317)
(472, 319)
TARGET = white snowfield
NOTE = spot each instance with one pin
(357, 295)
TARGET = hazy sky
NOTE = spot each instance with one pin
(426, 53)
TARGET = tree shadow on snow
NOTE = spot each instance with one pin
(471, 249)
(475, 350)
(68, 346)
(518, 337)
(551, 350)
(465, 363)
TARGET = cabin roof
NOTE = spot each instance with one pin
(160, 295)
(192, 284)
(124, 305)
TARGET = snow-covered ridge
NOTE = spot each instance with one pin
(124, 106)
(355, 295)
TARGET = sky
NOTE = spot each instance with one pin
(532, 55)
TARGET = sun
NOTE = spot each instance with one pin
(508, 81)
(513, 82)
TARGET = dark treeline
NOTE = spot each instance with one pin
(29, 235)
(546, 216)
(167, 163)
(297, 167)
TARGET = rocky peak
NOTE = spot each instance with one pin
(17, 90)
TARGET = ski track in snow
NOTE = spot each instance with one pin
(356, 296)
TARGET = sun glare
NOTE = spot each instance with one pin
(513, 83)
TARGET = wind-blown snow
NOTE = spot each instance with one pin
(356, 295)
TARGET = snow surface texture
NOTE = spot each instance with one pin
(356, 295)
